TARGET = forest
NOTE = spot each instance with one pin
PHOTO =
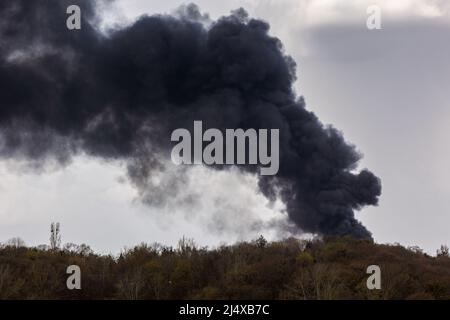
(326, 268)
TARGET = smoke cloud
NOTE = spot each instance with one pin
(118, 95)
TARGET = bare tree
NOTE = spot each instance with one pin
(55, 236)
(186, 246)
(131, 284)
(15, 242)
(443, 251)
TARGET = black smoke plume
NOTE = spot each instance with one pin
(119, 94)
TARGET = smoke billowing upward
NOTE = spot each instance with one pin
(118, 95)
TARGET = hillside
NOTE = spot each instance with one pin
(333, 268)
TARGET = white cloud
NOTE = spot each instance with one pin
(294, 11)
(328, 11)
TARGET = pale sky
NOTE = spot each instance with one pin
(387, 90)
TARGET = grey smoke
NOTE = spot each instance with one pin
(119, 96)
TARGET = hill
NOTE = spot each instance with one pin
(331, 268)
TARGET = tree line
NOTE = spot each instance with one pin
(328, 268)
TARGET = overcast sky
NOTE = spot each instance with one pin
(387, 90)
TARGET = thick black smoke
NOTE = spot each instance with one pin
(118, 95)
